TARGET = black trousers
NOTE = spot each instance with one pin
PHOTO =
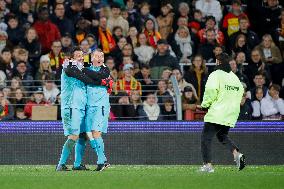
(221, 132)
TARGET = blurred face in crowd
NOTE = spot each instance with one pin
(19, 94)
(133, 31)
(184, 10)
(15, 83)
(45, 64)
(123, 100)
(13, 23)
(168, 106)
(38, 97)
(183, 33)
(78, 56)
(177, 74)
(6, 56)
(66, 41)
(255, 56)
(59, 10)
(145, 72)
(91, 41)
(145, 10)
(182, 21)
(210, 36)
(197, 16)
(49, 85)
(135, 96)
(272, 3)
(31, 34)
(128, 73)
(241, 41)
(197, 62)
(97, 58)
(259, 80)
(151, 99)
(217, 51)
(259, 94)
(115, 12)
(2, 5)
(21, 68)
(130, 4)
(166, 74)
(43, 15)
(23, 56)
(272, 91)
(233, 65)
(165, 10)
(25, 8)
(188, 95)
(122, 42)
(85, 46)
(56, 47)
(236, 8)
(244, 24)
(267, 42)
(162, 48)
(127, 60)
(150, 25)
(162, 86)
(118, 32)
(124, 14)
(210, 24)
(77, 7)
(6, 92)
(1, 96)
(103, 22)
(241, 58)
(142, 39)
(127, 50)
(244, 98)
(87, 4)
(110, 63)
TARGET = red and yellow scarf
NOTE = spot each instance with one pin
(106, 39)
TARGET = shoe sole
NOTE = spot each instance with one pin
(242, 163)
(107, 166)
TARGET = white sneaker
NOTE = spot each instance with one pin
(207, 168)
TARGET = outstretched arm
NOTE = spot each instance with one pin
(104, 73)
(73, 71)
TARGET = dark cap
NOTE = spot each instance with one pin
(39, 91)
(187, 89)
(162, 41)
(66, 34)
(115, 5)
(210, 18)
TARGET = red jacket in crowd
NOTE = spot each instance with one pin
(47, 33)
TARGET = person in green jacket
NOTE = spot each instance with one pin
(222, 98)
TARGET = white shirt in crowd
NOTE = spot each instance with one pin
(144, 53)
(210, 8)
(270, 106)
(50, 95)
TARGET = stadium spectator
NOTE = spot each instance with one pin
(105, 39)
(88, 12)
(6, 109)
(183, 40)
(135, 99)
(242, 77)
(15, 31)
(56, 58)
(206, 49)
(50, 91)
(132, 37)
(18, 98)
(143, 51)
(162, 92)
(162, 59)
(257, 65)
(92, 42)
(241, 59)
(145, 15)
(151, 34)
(168, 109)
(165, 20)
(241, 46)
(181, 81)
(117, 20)
(63, 23)
(67, 43)
(231, 20)
(46, 30)
(33, 46)
(251, 37)
(7, 92)
(183, 12)
(123, 109)
(4, 42)
(37, 99)
(85, 47)
(259, 81)
(73, 11)
(20, 115)
(150, 110)
(197, 75)
(15, 83)
(3, 76)
(144, 77)
(117, 33)
(4, 10)
(256, 104)
(44, 70)
(210, 8)
(109, 62)
(24, 75)
(133, 15)
(280, 32)
(128, 82)
(116, 53)
(272, 106)
(6, 62)
(189, 99)
(245, 109)
(25, 15)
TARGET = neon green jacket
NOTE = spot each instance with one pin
(222, 97)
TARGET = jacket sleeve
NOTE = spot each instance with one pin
(73, 71)
(102, 74)
(10, 115)
(280, 105)
(211, 90)
(255, 108)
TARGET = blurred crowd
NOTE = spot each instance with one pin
(145, 43)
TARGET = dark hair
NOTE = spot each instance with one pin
(76, 48)
(80, 2)
(5, 50)
(42, 9)
(275, 87)
(224, 58)
(145, 66)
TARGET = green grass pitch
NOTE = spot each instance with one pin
(140, 177)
